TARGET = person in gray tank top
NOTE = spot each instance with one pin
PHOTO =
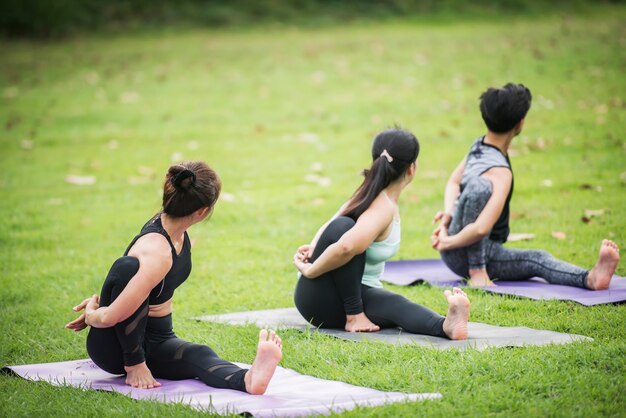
(474, 224)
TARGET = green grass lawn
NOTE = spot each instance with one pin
(268, 107)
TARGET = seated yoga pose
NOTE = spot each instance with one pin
(475, 222)
(339, 284)
(131, 321)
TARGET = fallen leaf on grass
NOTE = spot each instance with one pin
(146, 171)
(308, 137)
(12, 122)
(317, 167)
(80, 180)
(11, 92)
(129, 97)
(590, 213)
(601, 108)
(137, 180)
(559, 235)
(316, 178)
(521, 237)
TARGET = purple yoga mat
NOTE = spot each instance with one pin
(289, 393)
(436, 273)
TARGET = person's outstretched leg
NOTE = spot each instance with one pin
(470, 261)
(515, 264)
(176, 359)
(119, 349)
(390, 309)
(333, 300)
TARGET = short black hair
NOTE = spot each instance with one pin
(503, 108)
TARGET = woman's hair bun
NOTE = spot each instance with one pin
(184, 179)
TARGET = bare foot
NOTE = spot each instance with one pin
(139, 376)
(479, 278)
(455, 324)
(600, 275)
(360, 323)
(268, 354)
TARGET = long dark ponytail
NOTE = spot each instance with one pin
(393, 151)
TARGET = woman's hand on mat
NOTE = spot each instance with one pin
(79, 323)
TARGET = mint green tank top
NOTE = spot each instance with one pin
(377, 253)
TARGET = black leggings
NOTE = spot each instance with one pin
(326, 300)
(142, 338)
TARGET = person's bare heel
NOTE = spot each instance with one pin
(455, 324)
(360, 323)
(139, 376)
(479, 278)
(599, 277)
(268, 355)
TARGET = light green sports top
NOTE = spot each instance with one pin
(377, 253)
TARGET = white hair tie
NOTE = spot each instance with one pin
(386, 155)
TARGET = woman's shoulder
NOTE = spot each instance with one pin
(152, 245)
(383, 205)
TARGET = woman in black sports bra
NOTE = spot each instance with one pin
(131, 321)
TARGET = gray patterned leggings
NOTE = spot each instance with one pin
(502, 263)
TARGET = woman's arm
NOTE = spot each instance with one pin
(368, 227)
(155, 260)
(453, 189)
(306, 250)
(501, 178)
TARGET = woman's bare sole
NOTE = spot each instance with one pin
(455, 324)
(139, 376)
(268, 355)
(479, 278)
(360, 323)
(599, 277)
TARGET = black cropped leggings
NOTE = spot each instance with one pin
(326, 300)
(151, 339)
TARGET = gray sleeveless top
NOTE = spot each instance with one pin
(481, 158)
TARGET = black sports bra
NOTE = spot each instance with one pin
(181, 263)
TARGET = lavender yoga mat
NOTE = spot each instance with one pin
(435, 272)
(289, 393)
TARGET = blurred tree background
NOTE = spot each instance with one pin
(44, 18)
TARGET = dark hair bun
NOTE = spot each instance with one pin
(190, 186)
(184, 179)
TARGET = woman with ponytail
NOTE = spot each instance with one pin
(131, 321)
(339, 284)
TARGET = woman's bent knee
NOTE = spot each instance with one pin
(479, 186)
(338, 226)
(123, 269)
